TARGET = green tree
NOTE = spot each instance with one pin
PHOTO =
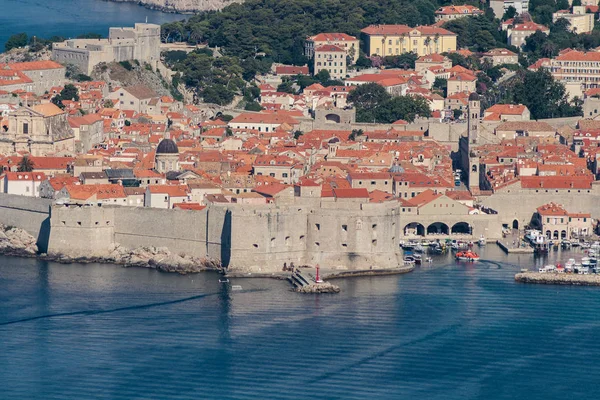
(402, 107)
(323, 76)
(544, 97)
(576, 3)
(69, 92)
(286, 87)
(441, 84)
(405, 61)
(253, 106)
(368, 96)
(297, 134)
(511, 12)
(16, 41)
(25, 164)
(355, 134)
(108, 104)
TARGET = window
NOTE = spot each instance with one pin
(287, 241)
(345, 228)
(317, 244)
(374, 242)
(344, 245)
(255, 245)
(25, 128)
(285, 175)
(374, 226)
(272, 242)
(317, 227)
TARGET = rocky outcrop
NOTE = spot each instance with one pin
(159, 258)
(322, 287)
(118, 76)
(17, 242)
(183, 6)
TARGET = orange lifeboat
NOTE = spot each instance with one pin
(467, 256)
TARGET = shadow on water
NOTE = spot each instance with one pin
(114, 310)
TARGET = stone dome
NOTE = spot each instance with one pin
(333, 140)
(167, 146)
(473, 97)
(396, 169)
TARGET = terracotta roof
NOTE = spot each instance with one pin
(291, 70)
(575, 55)
(26, 176)
(405, 29)
(264, 118)
(359, 193)
(462, 10)
(32, 65)
(507, 109)
(551, 209)
(171, 190)
(331, 37)
(530, 26)
(141, 92)
(531, 126)
(556, 182)
(330, 48)
(424, 198)
(47, 110)
(189, 206)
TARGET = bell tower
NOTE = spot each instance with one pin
(474, 111)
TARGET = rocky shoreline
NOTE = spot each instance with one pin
(19, 243)
(558, 279)
(184, 7)
(321, 287)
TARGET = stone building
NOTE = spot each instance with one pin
(332, 59)
(388, 40)
(348, 43)
(88, 131)
(136, 98)
(556, 223)
(33, 76)
(167, 156)
(580, 21)
(40, 130)
(141, 43)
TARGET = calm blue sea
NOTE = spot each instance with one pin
(69, 18)
(449, 331)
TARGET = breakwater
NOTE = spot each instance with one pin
(558, 279)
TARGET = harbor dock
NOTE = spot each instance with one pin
(508, 248)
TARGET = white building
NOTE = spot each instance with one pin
(23, 183)
(500, 6)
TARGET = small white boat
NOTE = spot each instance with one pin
(585, 261)
(236, 287)
(547, 269)
(224, 280)
(482, 241)
(409, 260)
(419, 248)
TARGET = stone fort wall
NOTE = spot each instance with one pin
(339, 235)
(28, 213)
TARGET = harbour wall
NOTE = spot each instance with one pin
(338, 235)
(28, 213)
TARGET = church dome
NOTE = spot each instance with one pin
(334, 140)
(473, 97)
(396, 169)
(167, 146)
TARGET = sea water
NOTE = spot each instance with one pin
(446, 331)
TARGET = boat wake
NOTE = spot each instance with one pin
(114, 310)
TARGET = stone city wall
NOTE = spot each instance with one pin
(28, 213)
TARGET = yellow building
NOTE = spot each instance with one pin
(390, 40)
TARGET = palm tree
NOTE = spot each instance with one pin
(25, 165)
(427, 42)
